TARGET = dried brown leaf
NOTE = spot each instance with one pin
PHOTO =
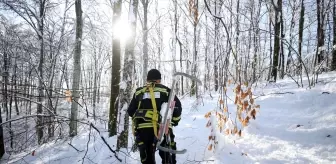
(229, 81)
(245, 105)
(210, 147)
(244, 95)
(227, 131)
(235, 130)
(225, 109)
(246, 121)
(238, 88)
(252, 101)
(207, 115)
(208, 124)
(253, 114)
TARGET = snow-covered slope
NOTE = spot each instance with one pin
(293, 125)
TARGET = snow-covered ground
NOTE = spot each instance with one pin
(293, 125)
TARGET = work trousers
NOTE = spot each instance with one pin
(146, 141)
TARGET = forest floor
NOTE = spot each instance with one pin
(293, 125)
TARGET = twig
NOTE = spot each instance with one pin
(276, 93)
(87, 146)
(293, 79)
(113, 151)
(75, 148)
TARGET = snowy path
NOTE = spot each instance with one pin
(297, 127)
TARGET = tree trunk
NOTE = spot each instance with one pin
(77, 69)
(95, 80)
(282, 52)
(39, 122)
(193, 7)
(206, 62)
(144, 40)
(5, 74)
(114, 101)
(194, 70)
(320, 33)
(301, 24)
(216, 78)
(128, 76)
(238, 65)
(2, 143)
(333, 63)
(277, 28)
(271, 50)
(292, 25)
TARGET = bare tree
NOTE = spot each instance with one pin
(320, 32)
(128, 76)
(77, 69)
(36, 20)
(333, 63)
(301, 23)
(145, 4)
(2, 143)
(194, 12)
(277, 29)
(114, 100)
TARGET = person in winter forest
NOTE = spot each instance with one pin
(145, 112)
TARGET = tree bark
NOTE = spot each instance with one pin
(114, 101)
(333, 63)
(144, 40)
(39, 123)
(282, 54)
(320, 33)
(77, 69)
(128, 76)
(301, 24)
(216, 78)
(277, 28)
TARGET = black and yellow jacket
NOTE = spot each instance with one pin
(141, 108)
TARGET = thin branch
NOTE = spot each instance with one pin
(87, 145)
(113, 151)
(75, 148)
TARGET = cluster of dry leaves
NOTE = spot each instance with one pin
(246, 110)
(193, 10)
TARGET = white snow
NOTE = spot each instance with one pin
(296, 127)
(123, 85)
(131, 14)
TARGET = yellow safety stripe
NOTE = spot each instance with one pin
(140, 91)
(148, 125)
(155, 114)
(176, 118)
(133, 127)
(133, 122)
(145, 125)
(161, 90)
(140, 143)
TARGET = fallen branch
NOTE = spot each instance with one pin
(87, 146)
(276, 93)
(114, 152)
(196, 161)
(75, 148)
